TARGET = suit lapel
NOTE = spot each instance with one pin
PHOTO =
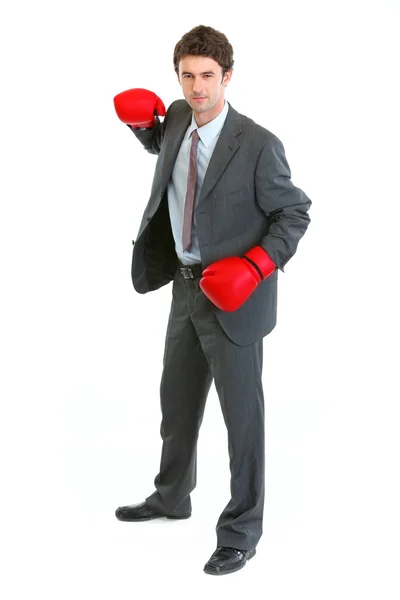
(224, 150)
(173, 143)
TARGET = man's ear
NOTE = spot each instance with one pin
(226, 78)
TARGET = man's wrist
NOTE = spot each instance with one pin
(139, 128)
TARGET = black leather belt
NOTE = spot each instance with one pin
(190, 271)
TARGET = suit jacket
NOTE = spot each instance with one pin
(247, 199)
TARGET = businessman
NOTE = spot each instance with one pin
(222, 219)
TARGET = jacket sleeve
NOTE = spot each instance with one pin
(285, 205)
(151, 139)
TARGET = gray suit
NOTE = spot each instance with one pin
(247, 199)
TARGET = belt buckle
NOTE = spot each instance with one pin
(187, 273)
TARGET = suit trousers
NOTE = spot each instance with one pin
(197, 351)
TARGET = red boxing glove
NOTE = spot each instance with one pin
(230, 281)
(136, 107)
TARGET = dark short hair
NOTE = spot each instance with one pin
(205, 41)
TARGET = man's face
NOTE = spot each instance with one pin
(201, 80)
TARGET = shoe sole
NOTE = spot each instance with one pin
(210, 571)
(150, 518)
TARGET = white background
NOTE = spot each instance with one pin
(81, 351)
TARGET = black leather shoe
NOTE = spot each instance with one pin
(228, 560)
(140, 512)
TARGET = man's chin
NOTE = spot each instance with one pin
(199, 106)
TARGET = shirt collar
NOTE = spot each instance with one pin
(210, 130)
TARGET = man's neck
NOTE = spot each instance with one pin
(208, 116)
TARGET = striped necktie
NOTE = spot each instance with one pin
(190, 194)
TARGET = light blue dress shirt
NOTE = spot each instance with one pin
(177, 184)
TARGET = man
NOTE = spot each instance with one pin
(222, 218)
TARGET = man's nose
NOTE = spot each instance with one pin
(197, 85)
